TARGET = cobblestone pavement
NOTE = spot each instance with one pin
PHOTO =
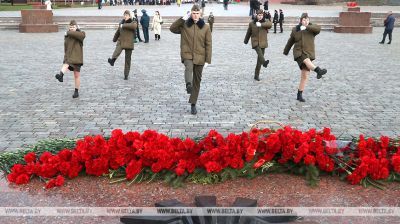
(360, 93)
(217, 9)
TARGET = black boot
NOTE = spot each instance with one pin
(111, 61)
(159, 36)
(60, 76)
(189, 88)
(193, 109)
(257, 77)
(155, 35)
(300, 96)
(126, 77)
(382, 42)
(320, 72)
(390, 41)
(76, 94)
(265, 64)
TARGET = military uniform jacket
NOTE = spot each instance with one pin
(258, 34)
(196, 41)
(126, 34)
(303, 41)
(73, 47)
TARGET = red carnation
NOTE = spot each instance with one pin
(59, 180)
(12, 177)
(133, 169)
(309, 160)
(45, 156)
(396, 163)
(22, 179)
(213, 167)
(30, 157)
(179, 171)
(51, 183)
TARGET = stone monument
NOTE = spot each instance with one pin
(37, 21)
(352, 20)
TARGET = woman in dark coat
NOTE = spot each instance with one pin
(302, 37)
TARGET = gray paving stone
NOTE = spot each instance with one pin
(358, 95)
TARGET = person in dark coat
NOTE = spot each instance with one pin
(389, 25)
(254, 6)
(226, 2)
(137, 29)
(258, 30)
(302, 37)
(266, 5)
(73, 55)
(196, 50)
(267, 15)
(281, 19)
(145, 22)
(275, 20)
(124, 36)
(211, 21)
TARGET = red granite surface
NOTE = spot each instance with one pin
(269, 190)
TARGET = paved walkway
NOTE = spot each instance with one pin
(358, 95)
(217, 9)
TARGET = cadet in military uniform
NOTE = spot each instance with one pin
(258, 30)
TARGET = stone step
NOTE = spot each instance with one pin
(223, 23)
(89, 26)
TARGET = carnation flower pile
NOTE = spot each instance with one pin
(133, 153)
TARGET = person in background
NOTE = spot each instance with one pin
(258, 30)
(267, 15)
(389, 25)
(145, 22)
(281, 19)
(137, 29)
(48, 4)
(275, 20)
(156, 25)
(302, 37)
(73, 55)
(226, 2)
(99, 4)
(211, 21)
(266, 5)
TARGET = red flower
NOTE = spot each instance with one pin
(30, 157)
(213, 167)
(59, 180)
(12, 177)
(309, 160)
(51, 183)
(22, 179)
(179, 171)
(133, 169)
(45, 156)
(396, 163)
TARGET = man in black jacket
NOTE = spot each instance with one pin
(137, 29)
(275, 20)
(281, 19)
